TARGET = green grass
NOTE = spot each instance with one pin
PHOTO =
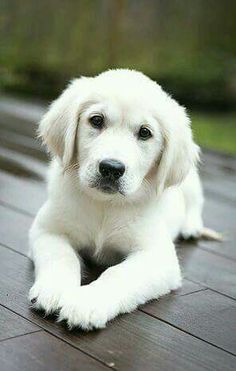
(215, 131)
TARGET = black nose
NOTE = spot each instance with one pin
(111, 169)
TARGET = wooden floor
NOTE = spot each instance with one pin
(191, 329)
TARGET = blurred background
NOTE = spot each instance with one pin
(188, 46)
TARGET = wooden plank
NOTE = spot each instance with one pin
(28, 109)
(22, 193)
(188, 287)
(218, 174)
(40, 352)
(17, 124)
(23, 144)
(221, 217)
(205, 314)
(210, 270)
(14, 229)
(219, 186)
(218, 170)
(20, 164)
(131, 342)
(139, 343)
(13, 325)
(219, 160)
(20, 116)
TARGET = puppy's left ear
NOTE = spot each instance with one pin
(180, 153)
(58, 126)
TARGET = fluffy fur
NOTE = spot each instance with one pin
(132, 230)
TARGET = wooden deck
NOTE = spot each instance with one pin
(192, 329)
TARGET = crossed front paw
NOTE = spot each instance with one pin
(81, 307)
(86, 309)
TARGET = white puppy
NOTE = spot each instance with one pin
(123, 185)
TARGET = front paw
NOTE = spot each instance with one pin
(45, 295)
(86, 309)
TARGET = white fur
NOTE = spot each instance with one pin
(161, 198)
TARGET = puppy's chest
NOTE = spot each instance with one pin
(100, 230)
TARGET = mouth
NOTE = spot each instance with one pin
(108, 189)
(106, 186)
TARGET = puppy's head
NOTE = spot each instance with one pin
(121, 133)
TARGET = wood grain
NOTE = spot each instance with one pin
(210, 270)
(14, 229)
(40, 352)
(205, 314)
(12, 325)
(221, 217)
(22, 193)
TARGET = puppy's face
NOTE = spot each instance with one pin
(119, 143)
(122, 134)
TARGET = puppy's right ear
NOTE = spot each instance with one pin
(59, 125)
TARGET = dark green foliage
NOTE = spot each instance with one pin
(188, 46)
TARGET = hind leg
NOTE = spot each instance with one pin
(193, 197)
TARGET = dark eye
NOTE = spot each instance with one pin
(97, 121)
(144, 133)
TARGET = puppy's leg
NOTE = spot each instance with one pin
(57, 270)
(193, 196)
(146, 274)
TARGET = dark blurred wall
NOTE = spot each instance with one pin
(187, 45)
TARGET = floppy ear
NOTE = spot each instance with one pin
(180, 153)
(58, 126)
